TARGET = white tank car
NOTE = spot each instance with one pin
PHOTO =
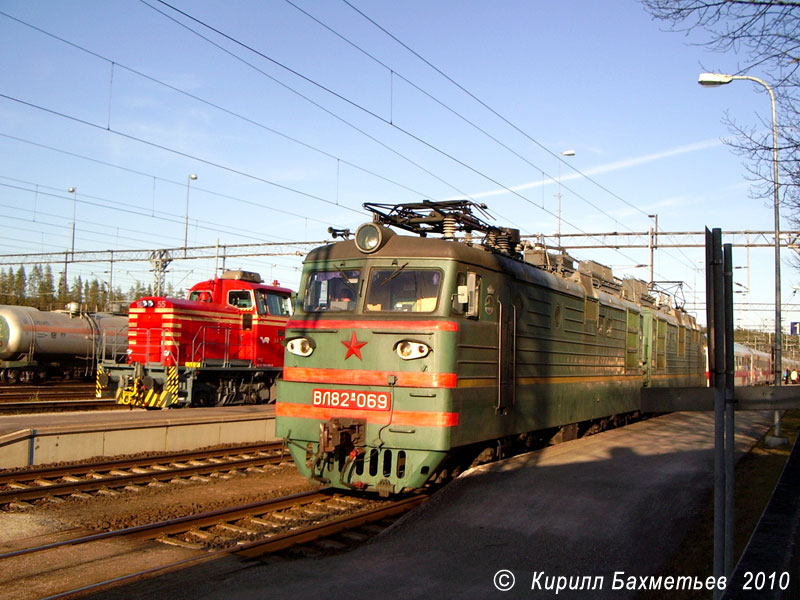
(40, 344)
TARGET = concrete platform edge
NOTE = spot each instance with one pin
(26, 447)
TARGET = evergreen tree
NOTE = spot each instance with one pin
(19, 286)
(92, 296)
(46, 290)
(76, 292)
(32, 286)
(62, 293)
(103, 296)
(4, 288)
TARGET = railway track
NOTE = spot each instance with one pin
(15, 399)
(34, 406)
(18, 393)
(250, 530)
(20, 487)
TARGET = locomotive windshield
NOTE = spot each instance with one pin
(403, 290)
(331, 290)
(270, 303)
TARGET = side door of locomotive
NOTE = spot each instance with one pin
(507, 354)
(504, 305)
(269, 331)
(242, 338)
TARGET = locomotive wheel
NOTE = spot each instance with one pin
(204, 394)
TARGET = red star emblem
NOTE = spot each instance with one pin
(353, 347)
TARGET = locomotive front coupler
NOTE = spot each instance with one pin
(341, 435)
(339, 440)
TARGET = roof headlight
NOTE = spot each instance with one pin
(411, 349)
(371, 236)
(300, 346)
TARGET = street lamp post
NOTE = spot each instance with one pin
(717, 79)
(189, 180)
(723, 506)
(72, 191)
(564, 153)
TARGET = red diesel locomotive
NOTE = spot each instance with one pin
(221, 345)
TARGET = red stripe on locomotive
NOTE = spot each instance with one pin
(413, 418)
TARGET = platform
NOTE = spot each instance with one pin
(45, 438)
(617, 502)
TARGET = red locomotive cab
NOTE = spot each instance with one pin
(231, 319)
(257, 334)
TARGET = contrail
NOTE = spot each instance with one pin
(610, 167)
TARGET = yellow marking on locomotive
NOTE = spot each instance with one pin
(171, 389)
(136, 395)
(193, 365)
(98, 387)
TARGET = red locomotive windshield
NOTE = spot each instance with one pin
(270, 303)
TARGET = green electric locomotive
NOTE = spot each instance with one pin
(409, 356)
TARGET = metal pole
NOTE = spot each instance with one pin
(730, 430)
(186, 220)
(778, 333)
(716, 356)
(652, 245)
(111, 277)
(560, 160)
(73, 191)
(717, 79)
(66, 285)
(559, 204)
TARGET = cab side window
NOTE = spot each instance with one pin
(466, 300)
(240, 299)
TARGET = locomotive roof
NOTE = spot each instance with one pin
(408, 246)
(239, 283)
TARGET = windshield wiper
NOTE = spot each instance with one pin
(346, 278)
(394, 274)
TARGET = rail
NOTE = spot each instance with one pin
(277, 524)
(47, 482)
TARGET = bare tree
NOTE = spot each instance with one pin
(764, 36)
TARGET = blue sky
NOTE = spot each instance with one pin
(280, 159)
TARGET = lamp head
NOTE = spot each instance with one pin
(714, 79)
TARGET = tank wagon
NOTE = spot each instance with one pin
(409, 356)
(37, 345)
(221, 345)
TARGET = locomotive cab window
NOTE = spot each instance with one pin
(467, 296)
(401, 289)
(200, 295)
(240, 299)
(269, 303)
(334, 291)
